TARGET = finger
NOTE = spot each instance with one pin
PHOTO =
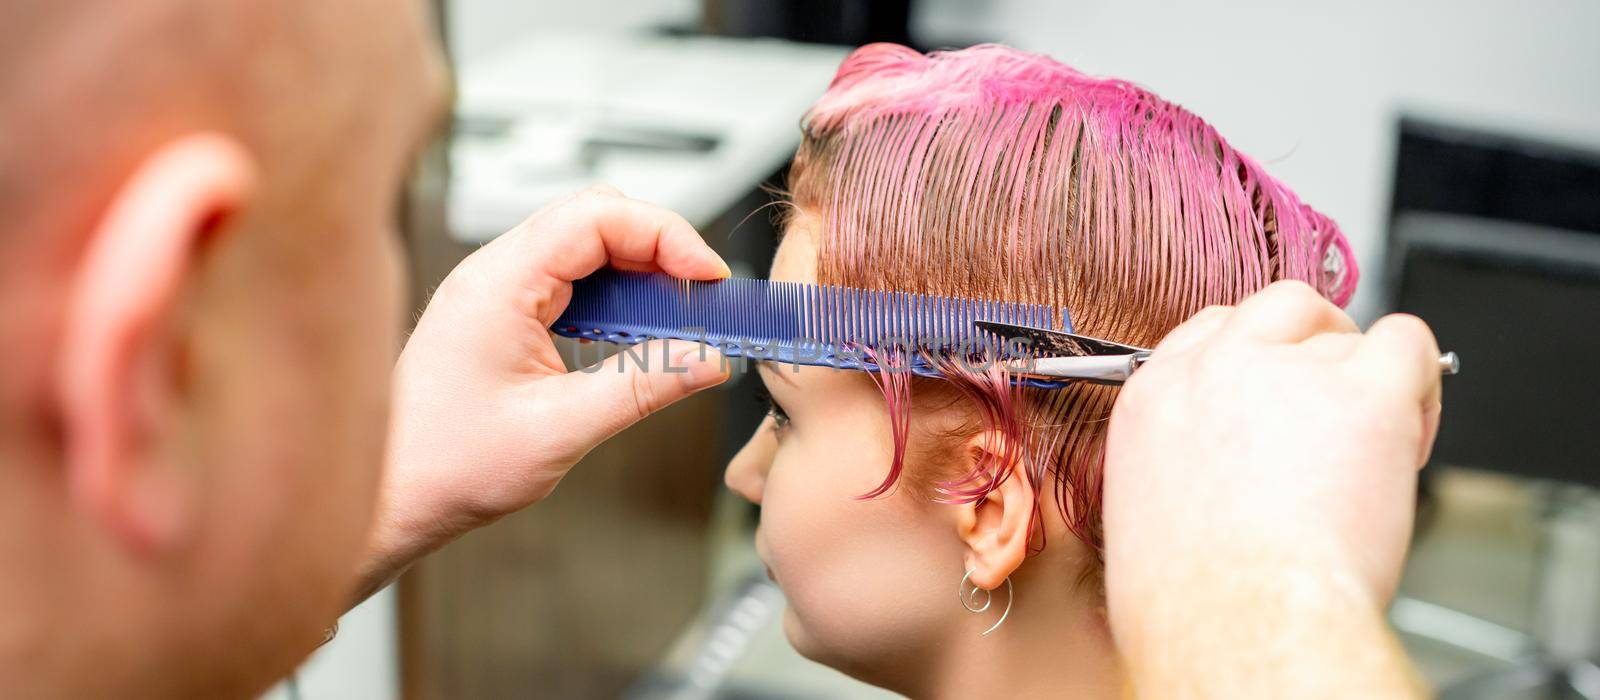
(1194, 331)
(1329, 347)
(1400, 350)
(1288, 312)
(583, 234)
(1430, 431)
(634, 383)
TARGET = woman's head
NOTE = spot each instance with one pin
(993, 174)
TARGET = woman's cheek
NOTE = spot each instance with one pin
(784, 523)
(801, 514)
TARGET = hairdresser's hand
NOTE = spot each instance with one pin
(486, 418)
(1260, 480)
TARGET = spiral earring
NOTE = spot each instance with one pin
(969, 599)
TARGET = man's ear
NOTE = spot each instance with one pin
(119, 378)
(995, 528)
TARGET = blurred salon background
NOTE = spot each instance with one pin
(1457, 143)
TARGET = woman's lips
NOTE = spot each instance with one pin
(761, 553)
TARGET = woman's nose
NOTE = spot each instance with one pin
(747, 473)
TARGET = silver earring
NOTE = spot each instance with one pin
(969, 599)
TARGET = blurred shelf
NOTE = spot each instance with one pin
(690, 123)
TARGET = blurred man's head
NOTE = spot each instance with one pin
(199, 302)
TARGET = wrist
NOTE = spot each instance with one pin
(1159, 597)
(1269, 628)
(412, 519)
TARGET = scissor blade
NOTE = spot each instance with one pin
(1043, 342)
(1100, 369)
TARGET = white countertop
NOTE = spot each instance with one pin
(530, 117)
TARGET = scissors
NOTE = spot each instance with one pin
(1061, 355)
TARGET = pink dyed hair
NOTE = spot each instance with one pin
(998, 174)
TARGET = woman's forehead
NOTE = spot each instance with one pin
(796, 259)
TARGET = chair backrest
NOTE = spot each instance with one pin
(1520, 303)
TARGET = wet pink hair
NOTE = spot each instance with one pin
(998, 174)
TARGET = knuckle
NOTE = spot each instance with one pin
(574, 203)
(1290, 294)
(1213, 361)
(646, 399)
(1306, 296)
(600, 191)
(556, 205)
(1140, 390)
(1413, 330)
(1292, 288)
(1286, 298)
(1409, 324)
(594, 202)
(1213, 311)
(1194, 323)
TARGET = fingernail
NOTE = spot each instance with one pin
(703, 367)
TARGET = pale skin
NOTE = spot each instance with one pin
(872, 584)
(201, 392)
(1260, 476)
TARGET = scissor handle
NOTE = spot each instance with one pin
(1115, 369)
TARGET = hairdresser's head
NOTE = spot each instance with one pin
(201, 287)
(995, 174)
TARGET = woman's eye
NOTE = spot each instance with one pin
(780, 420)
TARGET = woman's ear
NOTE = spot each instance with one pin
(119, 380)
(995, 528)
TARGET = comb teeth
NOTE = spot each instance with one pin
(788, 321)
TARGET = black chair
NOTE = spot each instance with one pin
(1521, 304)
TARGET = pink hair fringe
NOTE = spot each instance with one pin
(997, 174)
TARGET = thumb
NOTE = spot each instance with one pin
(1430, 432)
(1399, 351)
(636, 382)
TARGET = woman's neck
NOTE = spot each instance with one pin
(1055, 643)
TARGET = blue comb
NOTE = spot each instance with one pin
(789, 322)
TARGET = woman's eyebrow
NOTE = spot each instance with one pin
(771, 372)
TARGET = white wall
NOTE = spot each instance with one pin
(362, 662)
(1314, 90)
(477, 27)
